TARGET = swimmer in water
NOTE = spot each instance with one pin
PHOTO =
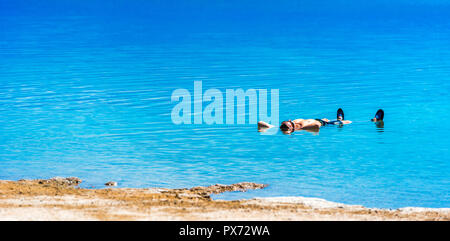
(379, 116)
(305, 124)
(378, 119)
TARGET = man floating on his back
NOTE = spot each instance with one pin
(314, 124)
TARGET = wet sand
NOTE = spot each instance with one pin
(61, 199)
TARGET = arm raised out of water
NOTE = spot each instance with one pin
(264, 125)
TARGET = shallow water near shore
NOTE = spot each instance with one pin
(86, 94)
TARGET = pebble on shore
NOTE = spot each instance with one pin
(111, 184)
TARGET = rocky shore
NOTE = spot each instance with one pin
(62, 199)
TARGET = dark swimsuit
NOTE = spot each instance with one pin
(335, 122)
(324, 123)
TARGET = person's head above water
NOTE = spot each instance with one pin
(287, 126)
(340, 115)
(379, 116)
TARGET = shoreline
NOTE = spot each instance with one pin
(62, 199)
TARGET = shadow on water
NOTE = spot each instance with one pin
(314, 131)
(380, 126)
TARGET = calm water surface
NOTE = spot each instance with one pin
(89, 96)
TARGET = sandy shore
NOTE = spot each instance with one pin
(61, 199)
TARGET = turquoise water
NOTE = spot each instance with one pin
(86, 93)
